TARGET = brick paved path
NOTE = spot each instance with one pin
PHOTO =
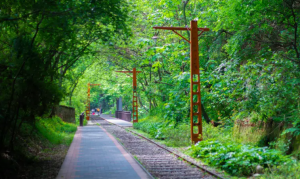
(94, 153)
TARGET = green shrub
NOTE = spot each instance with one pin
(152, 128)
(56, 130)
(236, 159)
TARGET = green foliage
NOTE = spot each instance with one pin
(249, 66)
(150, 125)
(165, 130)
(46, 46)
(281, 144)
(288, 170)
(177, 134)
(178, 104)
(236, 159)
(295, 130)
(56, 130)
(173, 136)
(249, 62)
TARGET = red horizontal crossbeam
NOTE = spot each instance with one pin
(128, 71)
(180, 28)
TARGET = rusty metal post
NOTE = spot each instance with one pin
(195, 101)
(135, 115)
(195, 94)
(87, 110)
(88, 105)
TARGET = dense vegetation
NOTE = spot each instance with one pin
(250, 61)
(44, 43)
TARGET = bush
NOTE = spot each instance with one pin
(56, 130)
(236, 159)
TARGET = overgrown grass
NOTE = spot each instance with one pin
(221, 148)
(56, 130)
(177, 135)
(246, 134)
(174, 136)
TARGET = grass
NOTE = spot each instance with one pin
(56, 130)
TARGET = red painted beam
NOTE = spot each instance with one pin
(127, 71)
(180, 28)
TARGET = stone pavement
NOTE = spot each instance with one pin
(116, 121)
(94, 153)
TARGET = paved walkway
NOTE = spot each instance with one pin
(116, 121)
(94, 153)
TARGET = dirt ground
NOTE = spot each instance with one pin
(46, 165)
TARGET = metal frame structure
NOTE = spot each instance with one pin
(135, 114)
(88, 105)
(195, 93)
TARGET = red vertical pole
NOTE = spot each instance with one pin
(195, 101)
(88, 103)
(134, 98)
